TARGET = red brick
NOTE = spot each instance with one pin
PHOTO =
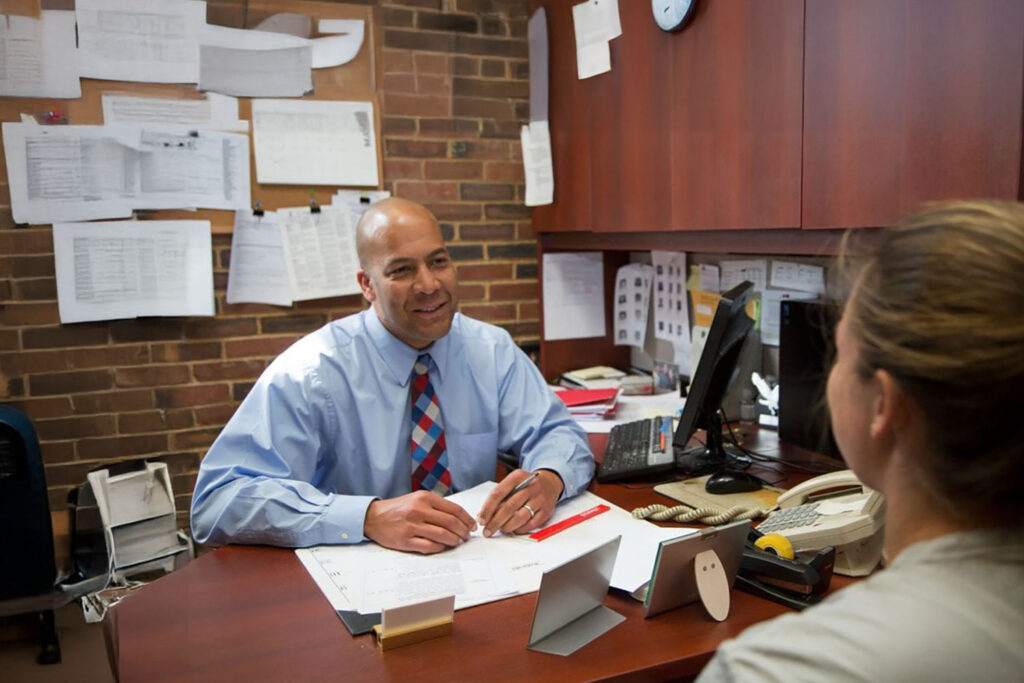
(486, 272)
(152, 375)
(415, 148)
(9, 339)
(427, 84)
(491, 312)
(184, 397)
(485, 232)
(430, 63)
(214, 328)
(215, 415)
(487, 191)
(472, 292)
(70, 382)
(398, 125)
(112, 401)
(397, 169)
(120, 447)
(41, 408)
(524, 231)
(57, 451)
(154, 421)
(482, 107)
(427, 191)
(169, 353)
(399, 82)
(196, 438)
(480, 149)
(26, 241)
(35, 289)
(489, 87)
(448, 127)
(210, 372)
(403, 104)
(396, 61)
(507, 212)
(454, 212)
(454, 170)
(493, 68)
(529, 311)
(19, 315)
(511, 292)
(75, 427)
(512, 172)
(261, 347)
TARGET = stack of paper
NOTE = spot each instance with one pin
(590, 404)
(596, 377)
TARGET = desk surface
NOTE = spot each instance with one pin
(253, 613)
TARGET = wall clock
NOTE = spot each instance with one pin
(673, 15)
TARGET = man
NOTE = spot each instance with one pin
(323, 449)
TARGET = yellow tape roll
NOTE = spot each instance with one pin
(777, 544)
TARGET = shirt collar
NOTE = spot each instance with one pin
(399, 356)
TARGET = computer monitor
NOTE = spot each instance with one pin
(715, 372)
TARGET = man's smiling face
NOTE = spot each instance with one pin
(409, 278)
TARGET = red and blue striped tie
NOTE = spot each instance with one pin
(428, 448)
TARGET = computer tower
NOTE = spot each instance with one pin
(806, 351)
(27, 565)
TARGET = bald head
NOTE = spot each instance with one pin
(384, 217)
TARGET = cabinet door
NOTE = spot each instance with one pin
(630, 126)
(736, 116)
(569, 122)
(907, 101)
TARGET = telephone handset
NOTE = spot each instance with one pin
(833, 509)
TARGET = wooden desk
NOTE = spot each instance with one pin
(253, 613)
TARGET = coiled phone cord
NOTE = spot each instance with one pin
(684, 514)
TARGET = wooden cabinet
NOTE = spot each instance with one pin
(785, 114)
(907, 101)
(689, 131)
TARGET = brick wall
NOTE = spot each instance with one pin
(454, 86)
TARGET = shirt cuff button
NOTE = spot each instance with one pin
(344, 535)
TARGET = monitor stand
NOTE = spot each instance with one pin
(713, 456)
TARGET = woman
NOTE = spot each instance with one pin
(926, 403)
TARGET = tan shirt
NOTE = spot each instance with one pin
(948, 609)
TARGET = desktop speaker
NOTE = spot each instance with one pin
(806, 350)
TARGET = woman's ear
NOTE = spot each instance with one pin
(890, 406)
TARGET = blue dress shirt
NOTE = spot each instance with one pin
(326, 428)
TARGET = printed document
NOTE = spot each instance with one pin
(368, 578)
(34, 57)
(216, 112)
(320, 249)
(153, 41)
(314, 142)
(573, 295)
(258, 272)
(128, 269)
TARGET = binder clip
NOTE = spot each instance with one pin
(313, 206)
(257, 210)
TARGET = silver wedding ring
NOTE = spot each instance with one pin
(532, 513)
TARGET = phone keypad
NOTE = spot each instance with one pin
(790, 518)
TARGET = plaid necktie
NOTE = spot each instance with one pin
(429, 452)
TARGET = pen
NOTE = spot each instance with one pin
(519, 487)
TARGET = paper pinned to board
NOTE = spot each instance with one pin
(573, 297)
(153, 41)
(537, 163)
(127, 269)
(800, 276)
(595, 23)
(314, 142)
(35, 58)
(258, 272)
(320, 249)
(215, 112)
(283, 72)
(671, 309)
(633, 284)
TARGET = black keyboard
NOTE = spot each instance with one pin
(636, 449)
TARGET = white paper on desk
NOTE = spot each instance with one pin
(537, 163)
(258, 272)
(799, 276)
(140, 40)
(284, 72)
(128, 269)
(313, 142)
(633, 284)
(205, 169)
(35, 59)
(67, 173)
(735, 272)
(320, 249)
(770, 306)
(573, 295)
(671, 311)
(630, 408)
(216, 112)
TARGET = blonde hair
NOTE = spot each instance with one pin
(940, 306)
